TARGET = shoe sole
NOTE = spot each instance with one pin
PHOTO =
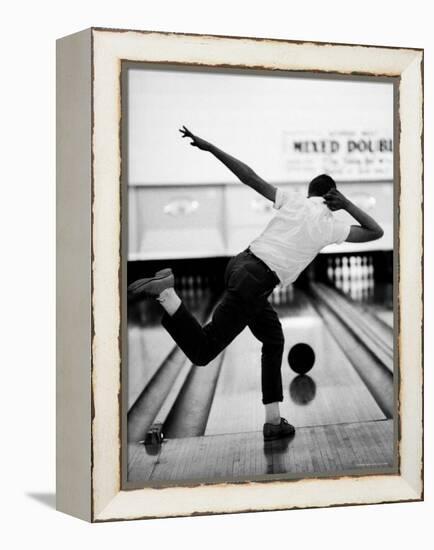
(141, 289)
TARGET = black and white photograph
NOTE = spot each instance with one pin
(217, 233)
(258, 248)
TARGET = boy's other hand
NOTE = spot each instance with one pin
(196, 141)
(335, 200)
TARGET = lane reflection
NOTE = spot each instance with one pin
(302, 389)
(274, 452)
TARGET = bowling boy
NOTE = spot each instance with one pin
(300, 228)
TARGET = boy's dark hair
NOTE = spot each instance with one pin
(321, 185)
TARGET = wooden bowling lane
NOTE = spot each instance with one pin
(332, 393)
(155, 364)
(360, 321)
(315, 450)
(189, 413)
(147, 349)
(386, 316)
(377, 377)
(151, 401)
(237, 405)
(149, 344)
(382, 303)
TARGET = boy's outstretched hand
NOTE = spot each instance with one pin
(196, 141)
(335, 200)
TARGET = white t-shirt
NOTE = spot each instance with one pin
(300, 228)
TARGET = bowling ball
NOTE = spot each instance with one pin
(301, 358)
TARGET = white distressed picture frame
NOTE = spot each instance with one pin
(89, 288)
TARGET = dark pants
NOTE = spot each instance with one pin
(248, 283)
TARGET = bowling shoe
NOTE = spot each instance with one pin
(153, 286)
(278, 431)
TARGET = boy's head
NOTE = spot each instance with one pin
(321, 185)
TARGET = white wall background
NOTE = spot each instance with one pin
(249, 116)
(27, 277)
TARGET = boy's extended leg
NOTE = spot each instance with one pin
(230, 317)
(203, 344)
(266, 327)
(247, 281)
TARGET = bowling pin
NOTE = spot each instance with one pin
(371, 266)
(277, 297)
(365, 279)
(360, 275)
(353, 277)
(190, 283)
(338, 273)
(330, 269)
(371, 275)
(345, 275)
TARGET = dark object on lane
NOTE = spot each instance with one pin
(301, 358)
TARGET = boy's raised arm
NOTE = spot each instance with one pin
(243, 172)
(368, 230)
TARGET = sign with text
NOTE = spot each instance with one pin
(345, 155)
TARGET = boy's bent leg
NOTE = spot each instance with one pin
(202, 344)
(267, 329)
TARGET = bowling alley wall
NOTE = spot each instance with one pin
(185, 204)
(188, 212)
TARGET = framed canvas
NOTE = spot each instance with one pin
(158, 416)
